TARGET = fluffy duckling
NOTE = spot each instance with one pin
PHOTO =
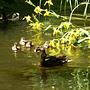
(37, 49)
(29, 44)
(15, 47)
(22, 41)
(46, 45)
(49, 61)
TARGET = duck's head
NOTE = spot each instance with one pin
(15, 16)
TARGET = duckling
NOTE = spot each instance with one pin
(49, 61)
(15, 47)
(37, 49)
(22, 41)
(46, 45)
(29, 44)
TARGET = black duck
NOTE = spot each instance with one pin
(49, 61)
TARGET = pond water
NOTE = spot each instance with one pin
(20, 71)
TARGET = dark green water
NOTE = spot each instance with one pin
(21, 72)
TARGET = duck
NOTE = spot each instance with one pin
(4, 17)
(15, 47)
(49, 61)
(22, 41)
(15, 16)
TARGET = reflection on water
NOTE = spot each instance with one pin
(60, 78)
(20, 71)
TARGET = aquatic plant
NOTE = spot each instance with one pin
(80, 78)
(34, 21)
(68, 37)
(49, 2)
(38, 10)
(72, 4)
(77, 7)
(65, 35)
(30, 2)
(37, 26)
(28, 18)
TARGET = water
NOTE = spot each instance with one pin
(21, 71)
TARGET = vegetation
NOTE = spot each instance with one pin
(66, 36)
(63, 34)
(47, 27)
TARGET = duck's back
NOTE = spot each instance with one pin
(53, 61)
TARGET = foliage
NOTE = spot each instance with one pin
(37, 25)
(65, 36)
(13, 6)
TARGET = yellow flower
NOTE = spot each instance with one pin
(49, 2)
(47, 13)
(58, 44)
(88, 43)
(37, 26)
(54, 52)
(30, 2)
(28, 18)
(66, 25)
(52, 43)
(38, 10)
(63, 41)
(56, 31)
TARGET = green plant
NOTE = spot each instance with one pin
(65, 36)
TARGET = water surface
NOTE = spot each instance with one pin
(20, 71)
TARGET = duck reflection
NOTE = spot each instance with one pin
(4, 21)
(43, 74)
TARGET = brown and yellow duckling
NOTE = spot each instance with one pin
(15, 47)
(26, 43)
(29, 44)
(49, 61)
(37, 49)
(45, 46)
(22, 41)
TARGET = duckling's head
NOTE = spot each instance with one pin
(46, 45)
(14, 47)
(37, 49)
(22, 41)
(28, 45)
(22, 38)
(15, 43)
